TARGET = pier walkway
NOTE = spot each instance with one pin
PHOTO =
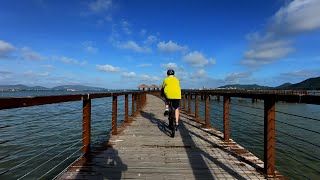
(143, 149)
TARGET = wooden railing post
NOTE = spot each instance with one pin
(189, 103)
(196, 111)
(114, 115)
(226, 131)
(138, 102)
(184, 101)
(207, 111)
(86, 126)
(132, 104)
(126, 120)
(269, 136)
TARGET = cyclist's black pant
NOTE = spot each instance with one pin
(175, 102)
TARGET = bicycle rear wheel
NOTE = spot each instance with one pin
(172, 122)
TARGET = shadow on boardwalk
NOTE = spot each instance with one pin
(104, 163)
(163, 126)
(200, 156)
(197, 157)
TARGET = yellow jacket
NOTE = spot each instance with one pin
(171, 87)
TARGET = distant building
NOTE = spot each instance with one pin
(154, 87)
(143, 87)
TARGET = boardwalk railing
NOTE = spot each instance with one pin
(190, 103)
(25, 160)
(11, 168)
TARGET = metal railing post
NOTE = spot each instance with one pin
(226, 108)
(114, 115)
(86, 126)
(269, 136)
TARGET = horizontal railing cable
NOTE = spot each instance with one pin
(301, 162)
(277, 140)
(298, 127)
(51, 159)
(46, 117)
(261, 125)
(295, 115)
(298, 138)
(246, 113)
(236, 104)
(297, 172)
(60, 163)
(257, 140)
(17, 166)
(261, 133)
(31, 133)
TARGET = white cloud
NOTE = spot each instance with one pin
(107, 68)
(4, 73)
(301, 73)
(100, 6)
(36, 74)
(266, 51)
(67, 60)
(29, 54)
(169, 66)
(89, 47)
(197, 59)
(171, 47)
(237, 77)
(49, 66)
(149, 78)
(143, 32)
(140, 77)
(5, 49)
(126, 27)
(151, 39)
(199, 74)
(144, 65)
(131, 45)
(129, 75)
(299, 16)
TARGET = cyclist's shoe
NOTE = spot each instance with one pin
(166, 113)
(176, 126)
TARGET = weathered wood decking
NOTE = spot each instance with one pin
(145, 150)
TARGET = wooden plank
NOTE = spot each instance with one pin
(145, 150)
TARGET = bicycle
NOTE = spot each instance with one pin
(172, 119)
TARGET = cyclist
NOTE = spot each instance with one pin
(172, 91)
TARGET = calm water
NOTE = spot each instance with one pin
(41, 141)
(297, 138)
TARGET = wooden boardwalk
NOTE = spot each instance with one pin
(145, 150)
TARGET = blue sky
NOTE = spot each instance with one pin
(124, 43)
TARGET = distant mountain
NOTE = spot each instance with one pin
(21, 87)
(308, 84)
(245, 86)
(76, 87)
(283, 86)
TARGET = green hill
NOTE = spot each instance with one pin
(308, 84)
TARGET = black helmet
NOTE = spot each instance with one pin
(170, 72)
